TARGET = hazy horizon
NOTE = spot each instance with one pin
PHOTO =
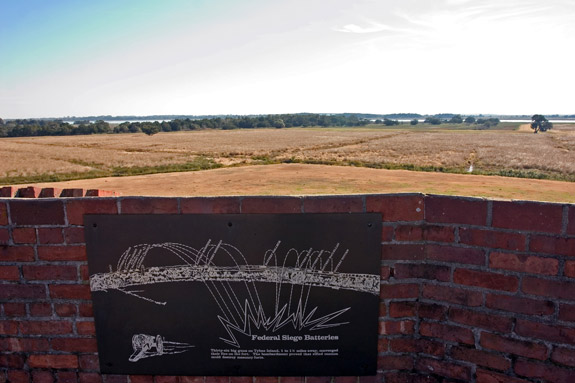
(77, 58)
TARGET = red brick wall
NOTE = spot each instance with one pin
(472, 290)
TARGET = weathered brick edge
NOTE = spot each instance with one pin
(36, 192)
(473, 290)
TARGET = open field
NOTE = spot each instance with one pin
(505, 151)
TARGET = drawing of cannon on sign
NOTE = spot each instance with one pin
(146, 346)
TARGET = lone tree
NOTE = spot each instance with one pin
(540, 123)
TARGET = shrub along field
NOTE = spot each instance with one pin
(505, 150)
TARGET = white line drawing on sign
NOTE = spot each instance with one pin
(219, 265)
(146, 346)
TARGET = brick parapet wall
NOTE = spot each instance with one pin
(472, 290)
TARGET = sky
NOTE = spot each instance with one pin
(141, 57)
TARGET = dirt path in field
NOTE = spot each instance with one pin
(298, 179)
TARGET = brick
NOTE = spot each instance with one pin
(29, 192)
(548, 288)
(45, 327)
(89, 362)
(62, 253)
(144, 379)
(455, 254)
(443, 368)
(70, 292)
(24, 235)
(432, 311)
(86, 345)
(50, 193)
(210, 205)
(86, 310)
(569, 269)
(240, 379)
(524, 263)
(446, 332)
(404, 377)
(333, 204)
(50, 272)
(41, 309)
(17, 376)
(24, 344)
(9, 273)
(8, 327)
(22, 292)
(265, 379)
(90, 377)
(404, 327)
(53, 361)
(67, 377)
(271, 205)
(144, 205)
(563, 356)
(455, 210)
(385, 273)
(567, 312)
(481, 320)
(37, 212)
(402, 309)
(11, 361)
(84, 273)
(387, 233)
(492, 239)
(547, 372)
(14, 309)
(485, 280)
(395, 362)
(453, 295)
(519, 305)
(405, 208)
(530, 216)
(116, 378)
(287, 379)
(484, 376)
(42, 377)
(570, 220)
(76, 209)
(552, 245)
(101, 193)
(74, 235)
(16, 254)
(399, 291)
(86, 328)
(481, 358)
(418, 346)
(402, 252)
(8, 191)
(65, 309)
(3, 213)
(425, 233)
(72, 193)
(344, 379)
(217, 379)
(50, 236)
(4, 237)
(552, 333)
(422, 271)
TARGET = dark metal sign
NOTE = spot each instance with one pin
(249, 295)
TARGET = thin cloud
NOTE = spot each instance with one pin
(373, 27)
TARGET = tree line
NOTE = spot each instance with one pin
(29, 128)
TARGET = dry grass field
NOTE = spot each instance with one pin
(507, 151)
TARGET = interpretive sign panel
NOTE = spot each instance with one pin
(235, 294)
